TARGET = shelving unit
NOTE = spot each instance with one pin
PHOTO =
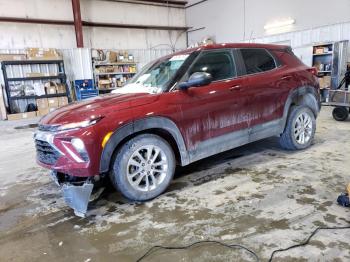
(330, 60)
(112, 68)
(113, 74)
(61, 77)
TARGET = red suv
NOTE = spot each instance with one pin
(179, 109)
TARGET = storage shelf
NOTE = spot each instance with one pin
(61, 76)
(117, 63)
(114, 73)
(37, 97)
(30, 62)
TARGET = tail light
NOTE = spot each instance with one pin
(312, 70)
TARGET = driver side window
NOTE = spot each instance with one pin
(218, 63)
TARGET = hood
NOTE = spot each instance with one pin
(96, 107)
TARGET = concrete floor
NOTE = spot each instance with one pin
(257, 195)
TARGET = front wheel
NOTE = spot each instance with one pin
(143, 168)
(300, 129)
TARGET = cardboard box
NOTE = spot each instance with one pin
(43, 111)
(51, 90)
(21, 116)
(42, 54)
(33, 74)
(327, 81)
(112, 56)
(53, 102)
(61, 89)
(12, 57)
(42, 103)
(319, 50)
(62, 101)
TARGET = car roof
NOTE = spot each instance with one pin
(231, 45)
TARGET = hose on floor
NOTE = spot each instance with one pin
(233, 246)
(237, 246)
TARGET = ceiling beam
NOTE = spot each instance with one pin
(89, 24)
(78, 25)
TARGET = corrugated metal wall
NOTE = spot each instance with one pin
(301, 41)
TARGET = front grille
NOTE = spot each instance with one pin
(46, 153)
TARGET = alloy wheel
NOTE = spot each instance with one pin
(303, 128)
(147, 168)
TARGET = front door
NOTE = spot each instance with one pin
(210, 112)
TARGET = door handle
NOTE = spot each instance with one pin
(235, 88)
(287, 77)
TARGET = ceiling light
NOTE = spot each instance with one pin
(279, 24)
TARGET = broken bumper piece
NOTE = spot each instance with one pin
(75, 194)
(78, 197)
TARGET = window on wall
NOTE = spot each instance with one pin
(257, 60)
(218, 63)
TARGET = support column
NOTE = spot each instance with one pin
(77, 23)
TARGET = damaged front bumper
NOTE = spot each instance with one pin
(76, 194)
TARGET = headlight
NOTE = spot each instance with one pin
(78, 144)
(77, 125)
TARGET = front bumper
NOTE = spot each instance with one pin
(55, 152)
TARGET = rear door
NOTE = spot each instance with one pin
(266, 85)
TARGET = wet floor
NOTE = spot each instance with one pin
(258, 195)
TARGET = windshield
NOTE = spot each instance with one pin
(154, 77)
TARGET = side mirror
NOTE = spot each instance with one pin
(197, 79)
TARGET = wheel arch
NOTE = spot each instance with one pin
(160, 126)
(305, 95)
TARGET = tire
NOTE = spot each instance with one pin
(140, 177)
(292, 137)
(340, 113)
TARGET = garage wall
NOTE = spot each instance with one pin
(20, 35)
(233, 21)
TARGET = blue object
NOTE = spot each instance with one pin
(343, 200)
(84, 89)
(84, 84)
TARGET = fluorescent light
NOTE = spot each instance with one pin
(279, 23)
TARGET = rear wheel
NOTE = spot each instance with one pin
(340, 113)
(300, 129)
(143, 168)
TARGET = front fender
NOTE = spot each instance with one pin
(138, 126)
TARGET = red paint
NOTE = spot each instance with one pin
(200, 113)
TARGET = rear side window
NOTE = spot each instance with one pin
(218, 63)
(257, 60)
